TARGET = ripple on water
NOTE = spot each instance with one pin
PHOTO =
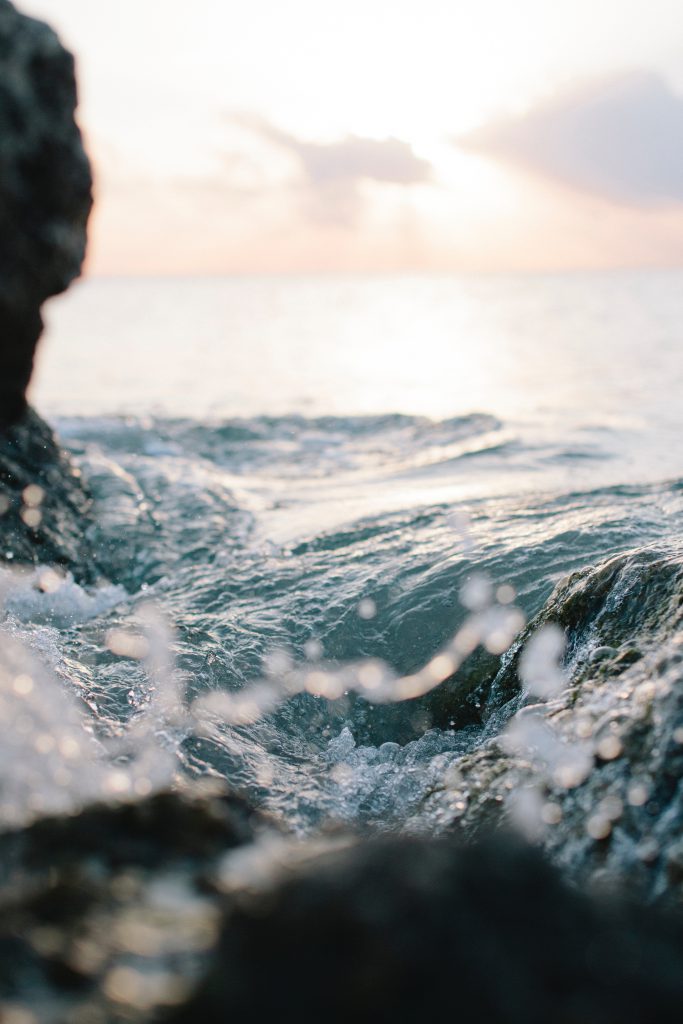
(314, 541)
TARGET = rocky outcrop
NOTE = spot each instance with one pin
(45, 192)
(45, 199)
(105, 913)
(594, 770)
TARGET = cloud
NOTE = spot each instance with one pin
(333, 172)
(621, 138)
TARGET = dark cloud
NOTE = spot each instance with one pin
(333, 171)
(621, 138)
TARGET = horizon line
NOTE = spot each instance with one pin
(162, 275)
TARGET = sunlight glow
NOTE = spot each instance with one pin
(183, 187)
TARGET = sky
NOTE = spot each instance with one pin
(281, 136)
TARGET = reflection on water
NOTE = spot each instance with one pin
(433, 346)
(324, 467)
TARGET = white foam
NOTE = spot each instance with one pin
(51, 760)
(40, 596)
(389, 782)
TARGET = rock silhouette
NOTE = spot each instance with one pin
(45, 199)
(45, 192)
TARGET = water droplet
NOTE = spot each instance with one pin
(598, 826)
(609, 748)
(23, 685)
(313, 649)
(367, 609)
(33, 495)
(476, 593)
(638, 793)
(31, 517)
(551, 814)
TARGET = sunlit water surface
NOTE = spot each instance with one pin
(294, 474)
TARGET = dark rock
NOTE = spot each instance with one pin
(633, 597)
(162, 829)
(181, 908)
(595, 772)
(92, 904)
(44, 507)
(45, 199)
(402, 929)
(45, 192)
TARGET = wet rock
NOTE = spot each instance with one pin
(45, 192)
(594, 772)
(399, 929)
(44, 506)
(603, 653)
(106, 915)
(45, 199)
(162, 829)
(627, 602)
(185, 907)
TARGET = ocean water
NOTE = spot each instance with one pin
(325, 508)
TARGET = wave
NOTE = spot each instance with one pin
(254, 541)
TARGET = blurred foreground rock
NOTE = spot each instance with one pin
(401, 929)
(45, 192)
(188, 909)
(104, 915)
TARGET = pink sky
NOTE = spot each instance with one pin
(379, 136)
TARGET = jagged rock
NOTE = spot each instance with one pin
(606, 611)
(45, 199)
(594, 772)
(45, 192)
(44, 507)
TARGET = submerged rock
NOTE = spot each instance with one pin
(45, 192)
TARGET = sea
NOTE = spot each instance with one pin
(324, 509)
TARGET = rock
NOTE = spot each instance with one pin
(626, 600)
(594, 773)
(603, 652)
(45, 192)
(45, 199)
(187, 907)
(399, 929)
(186, 826)
(44, 506)
(106, 914)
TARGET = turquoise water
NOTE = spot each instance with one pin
(292, 476)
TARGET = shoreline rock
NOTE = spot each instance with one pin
(45, 192)
(593, 772)
(45, 201)
(188, 906)
(44, 506)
